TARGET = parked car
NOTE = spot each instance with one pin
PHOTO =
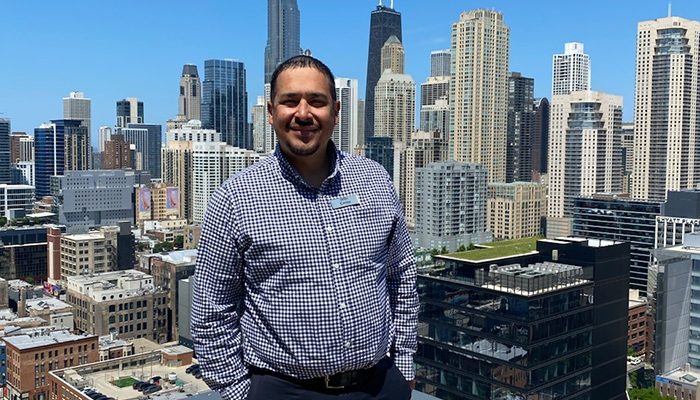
(151, 389)
(156, 378)
(140, 385)
(192, 368)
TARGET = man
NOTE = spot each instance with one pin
(305, 278)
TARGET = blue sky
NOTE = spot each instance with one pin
(130, 48)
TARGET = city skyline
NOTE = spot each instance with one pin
(35, 85)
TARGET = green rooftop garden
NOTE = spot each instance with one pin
(499, 249)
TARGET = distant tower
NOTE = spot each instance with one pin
(571, 71)
(440, 62)
(129, 111)
(666, 108)
(345, 134)
(259, 117)
(520, 123)
(584, 156)
(283, 37)
(190, 93)
(479, 91)
(540, 138)
(78, 107)
(384, 22)
(225, 102)
(5, 176)
(392, 56)
(395, 106)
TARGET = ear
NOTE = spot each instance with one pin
(269, 112)
(337, 111)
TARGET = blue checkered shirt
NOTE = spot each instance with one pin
(290, 280)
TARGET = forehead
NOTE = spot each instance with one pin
(302, 80)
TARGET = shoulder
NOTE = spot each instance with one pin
(362, 166)
(257, 174)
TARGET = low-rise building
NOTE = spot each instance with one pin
(679, 384)
(87, 253)
(637, 328)
(125, 302)
(57, 313)
(112, 347)
(23, 253)
(30, 357)
(516, 210)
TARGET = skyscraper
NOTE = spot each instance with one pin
(345, 134)
(450, 205)
(540, 138)
(129, 111)
(392, 56)
(283, 37)
(666, 144)
(571, 71)
(49, 156)
(584, 153)
(384, 22)
(151, 153)
(259, 118)
(77, 147)
(190, 100)
(520, 124)
(394, 95)
(77, 106)
(5, 176)
(225, 101)
(395, 106)
(479, 91)
(440, 62)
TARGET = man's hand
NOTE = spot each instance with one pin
(412, 384)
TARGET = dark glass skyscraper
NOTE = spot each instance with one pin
(5, 151)
(540, 137)
(282, 34)
(225, 102)
(49, 152)
(520, 123)
(154, 140)
(384, 22)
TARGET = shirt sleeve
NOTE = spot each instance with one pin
(403, 297)
(218, 292)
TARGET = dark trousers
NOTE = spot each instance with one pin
(387, 383)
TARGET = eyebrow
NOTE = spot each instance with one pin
(312, 95)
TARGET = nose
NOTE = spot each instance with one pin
(302, 111)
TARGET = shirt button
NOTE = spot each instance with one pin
(329, 229)
(343, 305)
(335, 266)
(348, 344)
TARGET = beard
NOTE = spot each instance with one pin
(303, 151)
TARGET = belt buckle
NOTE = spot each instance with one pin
(326, 380)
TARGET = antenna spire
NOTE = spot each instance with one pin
(392, 4)
(380, 3)
(669, 9)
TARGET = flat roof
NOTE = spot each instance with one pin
(179, 256)
(690, 376)
(43, 303)
(24, 342)
(496, 250)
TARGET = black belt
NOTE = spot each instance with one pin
(341, 380)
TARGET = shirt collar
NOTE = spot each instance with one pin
(290, 173)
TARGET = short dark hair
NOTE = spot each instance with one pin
(303, 61)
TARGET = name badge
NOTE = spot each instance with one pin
(346, 201)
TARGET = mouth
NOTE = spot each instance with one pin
(304, 130)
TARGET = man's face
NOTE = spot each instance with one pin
(303, 113)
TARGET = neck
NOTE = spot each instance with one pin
(314, 168)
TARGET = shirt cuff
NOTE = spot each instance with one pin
(237, 391)
(404, 362)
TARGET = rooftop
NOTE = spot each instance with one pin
(179, 257)
(687, 376)
(25, 342)
(47, 303)
(496, 250)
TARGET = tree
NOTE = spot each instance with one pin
(462, 248)
(646, 394)
(443, 250)
(179, 241)
(3, 221)
(163, 246)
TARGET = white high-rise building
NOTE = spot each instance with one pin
(105, 135)
(259, 117)
(571, 71)
(479, 91)
(584, 153)
(666, 104)
(395, 106)
(26, 148)
(77, 106)
(270, 136)
(193, 131)
(212, 164)
(440, 62)
(346, 132)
